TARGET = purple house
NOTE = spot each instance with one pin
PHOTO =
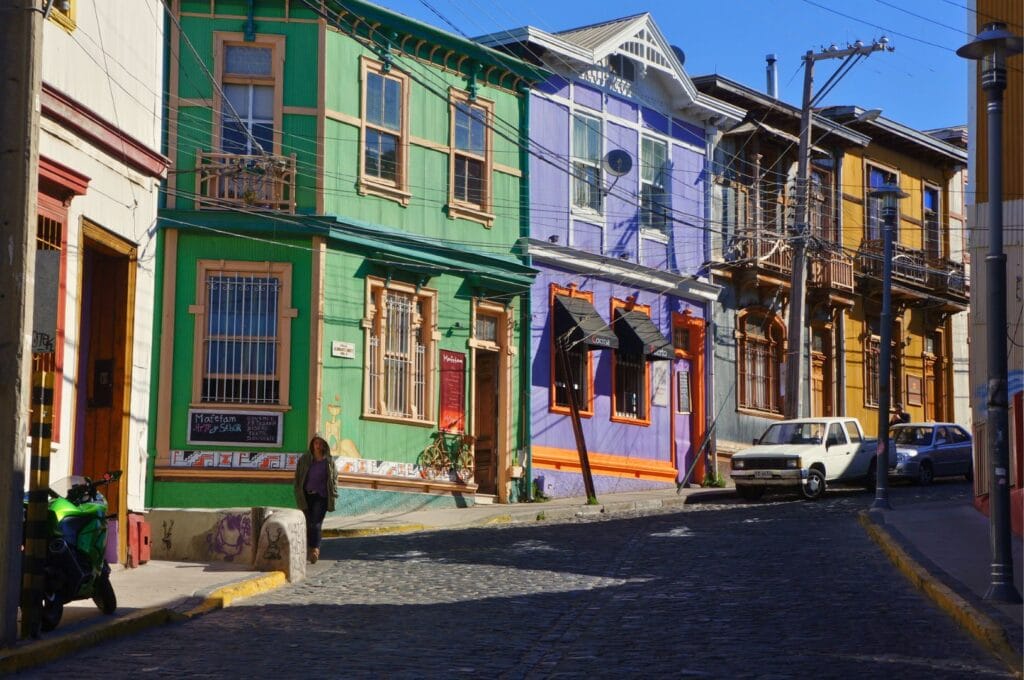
(619, 230)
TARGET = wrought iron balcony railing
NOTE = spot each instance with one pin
(832, 271)
(253, 182)
(913, 266)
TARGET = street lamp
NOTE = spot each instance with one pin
(992, 46)
(890, 195)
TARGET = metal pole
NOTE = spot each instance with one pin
(1001, 586)
(885, 361)
(20, 71)
(798, 277)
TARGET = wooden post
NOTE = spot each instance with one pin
(577, 425)
(38, 501)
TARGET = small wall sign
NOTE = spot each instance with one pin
(343, 350)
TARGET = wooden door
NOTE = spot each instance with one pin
(817, 384)
(485, 422)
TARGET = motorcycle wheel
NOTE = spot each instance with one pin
(52, 611)
(103, 595)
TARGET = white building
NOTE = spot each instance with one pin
(99, 174)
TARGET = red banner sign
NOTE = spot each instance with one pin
(452, 417)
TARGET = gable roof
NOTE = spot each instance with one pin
(637, 37)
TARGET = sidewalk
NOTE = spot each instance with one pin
(943, 548)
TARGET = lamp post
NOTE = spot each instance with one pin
(890, 195)
(992, 46)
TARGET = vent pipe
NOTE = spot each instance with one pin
(772, 73)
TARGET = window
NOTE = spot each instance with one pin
(384, 133)
(622, 66)
(249, 105)
(400, 327)
(470, 193)
(877, 178)
(579, 364)
(653, 199)
(820, 215)
(243, 331)
(730, 199)
(854, 429)
(630, 383)
(586, 162)
(760, 347)
(872, 367)
(63, 12)
(836, 436)
(932, 226)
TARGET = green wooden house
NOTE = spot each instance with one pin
(338, 255)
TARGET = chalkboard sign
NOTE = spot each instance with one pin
(252, 428)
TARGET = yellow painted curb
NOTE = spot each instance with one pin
(984, 629)
(373, 531)
(223, 597)
(500, 519)
(44, 651)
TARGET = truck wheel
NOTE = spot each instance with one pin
(749, 493)
(925, 474)
(813, 487)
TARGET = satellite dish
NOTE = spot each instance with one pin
(680, 55)
(617, 162)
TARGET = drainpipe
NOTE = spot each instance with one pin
(525, 313)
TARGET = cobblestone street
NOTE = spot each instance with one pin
(767, 590)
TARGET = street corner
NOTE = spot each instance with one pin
(986, 631)
(219, 598)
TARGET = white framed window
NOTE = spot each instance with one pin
(400, 327)
(586, 163)
(654, 205)
(242, 341)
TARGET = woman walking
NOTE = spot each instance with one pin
(316, 487)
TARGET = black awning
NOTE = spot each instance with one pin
(637, 333)
(578, 321)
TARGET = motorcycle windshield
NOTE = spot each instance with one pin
(62, 486)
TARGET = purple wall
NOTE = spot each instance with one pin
(687, 187)
(549, 183)
(587, 96)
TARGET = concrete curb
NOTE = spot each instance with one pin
(373, 531)
(43, 651)
(990, 634)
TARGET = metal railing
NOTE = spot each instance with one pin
(833, 271)
(254, 182)
(911, 265)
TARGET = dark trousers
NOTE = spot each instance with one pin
(316, 510)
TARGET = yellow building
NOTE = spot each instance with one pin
(1010, 12)
(930, 279)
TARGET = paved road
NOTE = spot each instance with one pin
(777, 589)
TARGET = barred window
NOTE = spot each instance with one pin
(873, 367)
(760, 348)
(579, 370)
(399, 350)
(872, 352)
(629, 378)
(243, 333)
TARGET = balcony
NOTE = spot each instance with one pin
(831, 271)
(228, 181)
(915, 276)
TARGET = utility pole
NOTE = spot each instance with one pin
(799, 232)
(21, 33)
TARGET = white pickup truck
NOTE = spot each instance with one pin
(805, 454)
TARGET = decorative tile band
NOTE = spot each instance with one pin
(262, 460)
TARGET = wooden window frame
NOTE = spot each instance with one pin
(482, 213)
(66, 20)
(941, 229)
(374, 186)
(867, 166)
(223, 40)
(586, 410)
(896, 366)
(775, 324)
(645, 420)
(285, 314)
(428, 333)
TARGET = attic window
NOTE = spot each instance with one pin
(622, 66)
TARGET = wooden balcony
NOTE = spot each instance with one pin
(831, 271)
(228, 181)
(915, 276)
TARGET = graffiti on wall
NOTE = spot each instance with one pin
(332, 432)
(231, 536)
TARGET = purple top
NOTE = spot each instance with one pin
(316, 478)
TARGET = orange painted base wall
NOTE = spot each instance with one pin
(1016, 509)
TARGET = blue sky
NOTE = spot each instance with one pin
(922, 83)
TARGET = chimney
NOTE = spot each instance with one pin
(772, 72)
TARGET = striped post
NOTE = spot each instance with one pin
(41, 429)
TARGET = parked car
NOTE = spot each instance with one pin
(924, 451)
(805, 455)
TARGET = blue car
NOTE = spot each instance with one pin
(925, 451)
